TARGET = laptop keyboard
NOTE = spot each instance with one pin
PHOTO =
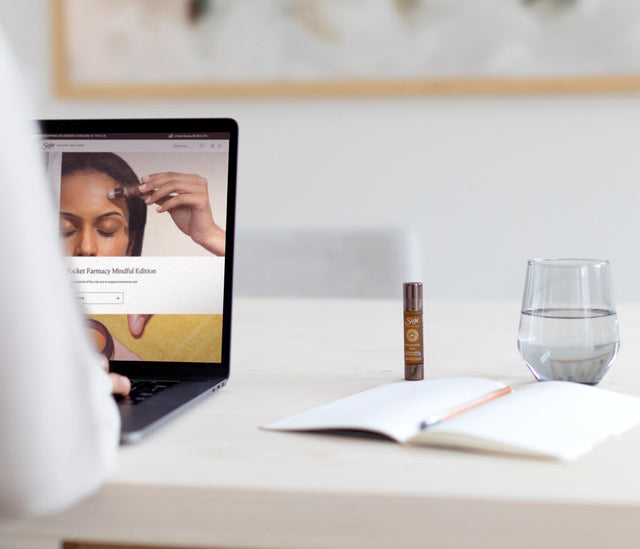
(141, 390)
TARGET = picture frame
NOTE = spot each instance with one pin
(95, 59)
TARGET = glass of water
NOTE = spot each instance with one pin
(568, 322)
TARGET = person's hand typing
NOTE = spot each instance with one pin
(120, 384)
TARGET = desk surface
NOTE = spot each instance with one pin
(211, 477)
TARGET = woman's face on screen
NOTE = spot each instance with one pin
(92, 224)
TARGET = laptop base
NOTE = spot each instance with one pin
(140, 419)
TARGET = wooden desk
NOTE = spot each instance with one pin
(211, 478)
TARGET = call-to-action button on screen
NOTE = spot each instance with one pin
(101, 298)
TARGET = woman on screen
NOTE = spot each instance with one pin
(91, 223)
(103, 206)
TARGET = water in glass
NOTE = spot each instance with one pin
(568, 344)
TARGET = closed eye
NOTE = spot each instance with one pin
(107, 234)
(108, 225)
(67, 226)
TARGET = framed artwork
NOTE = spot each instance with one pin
(239, 48)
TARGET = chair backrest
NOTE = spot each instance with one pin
(358, 263)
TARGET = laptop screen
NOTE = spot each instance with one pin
(146, 212)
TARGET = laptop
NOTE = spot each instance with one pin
(147, 214)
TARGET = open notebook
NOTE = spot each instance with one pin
(553, 419)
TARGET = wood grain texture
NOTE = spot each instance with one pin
(213, 478)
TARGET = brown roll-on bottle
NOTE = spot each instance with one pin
(413, 331)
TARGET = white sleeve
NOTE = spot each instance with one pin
(59, 425)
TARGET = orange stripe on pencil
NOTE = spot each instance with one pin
(464, 407)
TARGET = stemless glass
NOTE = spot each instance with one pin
(568, 322)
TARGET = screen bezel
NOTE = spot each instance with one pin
(184, 370)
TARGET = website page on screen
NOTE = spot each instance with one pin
(143, 223)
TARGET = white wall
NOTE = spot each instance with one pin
(486, 182)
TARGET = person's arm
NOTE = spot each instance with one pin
(59, 426)
(186, 197)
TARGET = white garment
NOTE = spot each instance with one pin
(59, 424)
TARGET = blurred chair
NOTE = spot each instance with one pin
(357, 263)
